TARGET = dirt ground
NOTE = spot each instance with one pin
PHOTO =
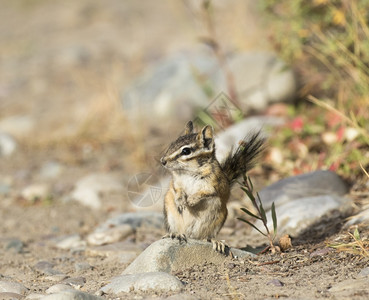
(64, 63)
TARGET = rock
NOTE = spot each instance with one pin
(83, 266)
(175, 86)
(110, 236)
(36, 191)
(18, 126)
(231, 136)
(364, 272)
(360, 218)
(47, 268)
(10, 296)
(71, 295)
(4, 189)
(156, 281)
(12, 287)
(135, 220)
(57, 288)
(350, 288)
(301, 186)
(15, 246)
(88, 189)
(68, 242)
(34, 296)
(114, 250)
(51, 170)
(76, 282)
(275, 282)
(167, 255)
(7, 144)
(296, 216)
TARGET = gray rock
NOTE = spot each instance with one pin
(57, 288)
(156, 281)
(135, 220)
(109, 236)
(174, 88)
(7, 144)
(296, 216)
(15, 246)
(88, 190)
(12, 287)
(167, 255)
(47, 268)
(301, 186)
(76, 282)
(4, 189)
(83, 266)
(71, 295)
(231, 136)
(34, 296)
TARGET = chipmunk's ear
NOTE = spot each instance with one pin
(206, 138)
(188, 128)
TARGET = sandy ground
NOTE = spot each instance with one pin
(63, 65)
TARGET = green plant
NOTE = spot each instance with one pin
(248, 188)
(327, 42)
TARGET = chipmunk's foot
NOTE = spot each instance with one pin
(221, 247)
(180, 237)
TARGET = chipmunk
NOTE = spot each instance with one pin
(195, 203)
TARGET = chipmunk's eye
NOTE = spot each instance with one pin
(186, 151)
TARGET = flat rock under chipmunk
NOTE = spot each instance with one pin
(167, 255)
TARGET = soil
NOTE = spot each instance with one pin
(77, 125)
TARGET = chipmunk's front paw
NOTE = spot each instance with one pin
(180, 237)
(221, 247)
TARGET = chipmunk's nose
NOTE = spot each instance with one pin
(163, 161)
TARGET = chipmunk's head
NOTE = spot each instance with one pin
(191, 150)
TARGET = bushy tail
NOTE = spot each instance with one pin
(243, 159)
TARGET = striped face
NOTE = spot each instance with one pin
(190, 151)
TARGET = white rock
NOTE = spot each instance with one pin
(12, 287)
(110, 235)
(155, 281)
(36, 191)
(230, 138)
(89, 188)
(57, 288)
(70, 242)
(51, 169)
(7, 144)
(34, 296)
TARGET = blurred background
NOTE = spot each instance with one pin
(91, 93)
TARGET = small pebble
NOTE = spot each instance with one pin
(76, 282)
(320, 252)
(275, 282)
(82, 266)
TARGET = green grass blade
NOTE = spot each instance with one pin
(250, 213)
(357, 234)
(274, 217)
(243, 220)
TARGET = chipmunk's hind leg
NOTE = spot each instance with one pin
(221, 247)
(180, 237)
